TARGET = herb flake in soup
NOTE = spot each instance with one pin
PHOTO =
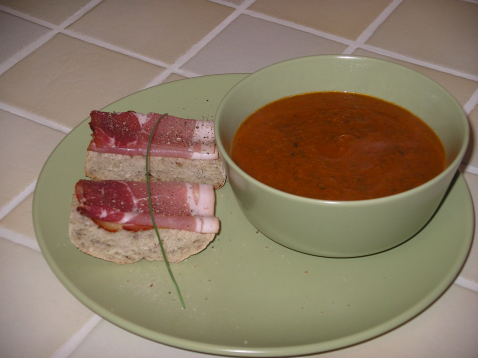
(337, 146)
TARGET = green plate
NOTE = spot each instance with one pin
(245, 294)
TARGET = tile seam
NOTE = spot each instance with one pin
(80, 13)
(397, 56)
(187, 73)
(365, 35)
(464, 167)
(25, 51)
(194, 49)
(302, 28)
(370, 48)
(175, 69)
(67, 348)
(128, 53)
(85, 9)
(12, 204)
(114, 48)
(29, 18)
(468, 284)
(471, 103)
(34, 118)
(19, 239)
(225, 3)
(470, 169)
(14, 59)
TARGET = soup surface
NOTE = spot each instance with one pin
(337, 146)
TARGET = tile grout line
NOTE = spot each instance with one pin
(25, 51)
(26, 17)
(370, 48)
(34, 118)
(125, 52)
(374, 49)
(468, 107)
(38, 21)
(365, 35)
(19, 239)
(6, 209)
(186, 73)
(113, 48)
(472, 102)
(60, 29)
(302, 28)
(175, 67)
(193, 50)
(468, 284)
(225, 3)
(432, 66)
(470, 169)
(12, 235)
(80, 13)
(76, 339)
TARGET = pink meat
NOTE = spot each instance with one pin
(180, 206)
(128, 133)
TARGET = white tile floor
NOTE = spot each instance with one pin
(60, 59)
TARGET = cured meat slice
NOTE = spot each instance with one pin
(125, 205)
(129, 132)
(168, 198)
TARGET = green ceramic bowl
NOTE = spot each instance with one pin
(341, 228)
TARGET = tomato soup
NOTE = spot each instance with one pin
(337, 146)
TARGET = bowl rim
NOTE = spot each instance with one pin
(451, 167)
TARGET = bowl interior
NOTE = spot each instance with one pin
(394, 83)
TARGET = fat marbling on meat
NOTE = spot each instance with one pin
(129, 132)
(116, 205)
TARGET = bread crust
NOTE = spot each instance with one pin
(124, 247)
(108, 166)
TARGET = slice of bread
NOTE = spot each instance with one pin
(124, 247)
(107, 166)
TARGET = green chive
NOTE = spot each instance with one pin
(152, 213)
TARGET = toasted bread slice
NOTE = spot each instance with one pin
(124, 247)
(107, 166)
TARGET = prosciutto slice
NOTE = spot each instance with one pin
(116, 205)
(128, 133)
